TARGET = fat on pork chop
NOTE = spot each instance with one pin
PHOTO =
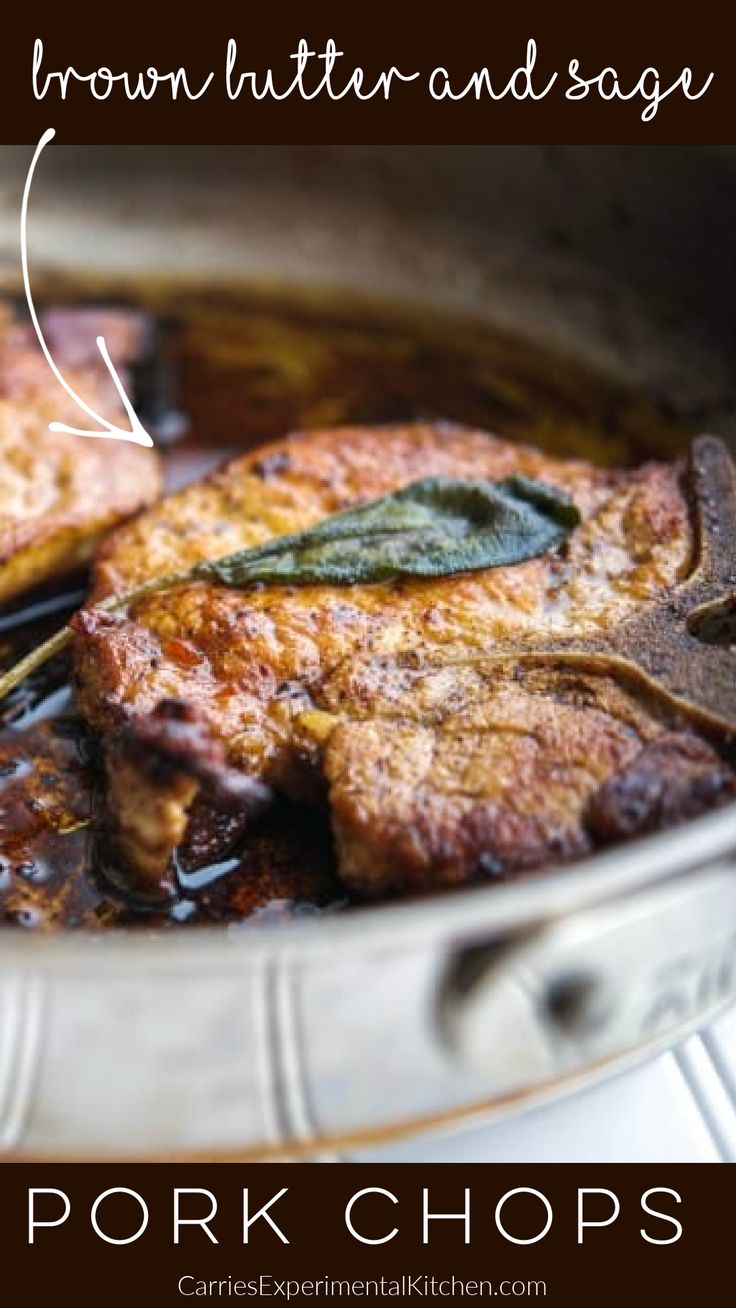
(460, 728)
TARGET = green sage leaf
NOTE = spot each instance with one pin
(431, 528)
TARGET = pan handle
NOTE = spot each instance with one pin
(602, 984)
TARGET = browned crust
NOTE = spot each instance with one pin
(60, 493)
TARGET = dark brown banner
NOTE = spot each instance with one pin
(382, 73)
(565, 1234)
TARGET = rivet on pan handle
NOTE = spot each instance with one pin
(607, 982)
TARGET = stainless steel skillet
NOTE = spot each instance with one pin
(355, 1027)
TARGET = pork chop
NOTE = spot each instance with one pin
(60, 493)
(457, 728)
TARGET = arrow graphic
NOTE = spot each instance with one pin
(108, 430)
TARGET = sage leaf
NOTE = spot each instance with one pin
(431, 528)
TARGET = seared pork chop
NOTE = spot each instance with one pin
(488, 769)
(60, 493)
(457, 728)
